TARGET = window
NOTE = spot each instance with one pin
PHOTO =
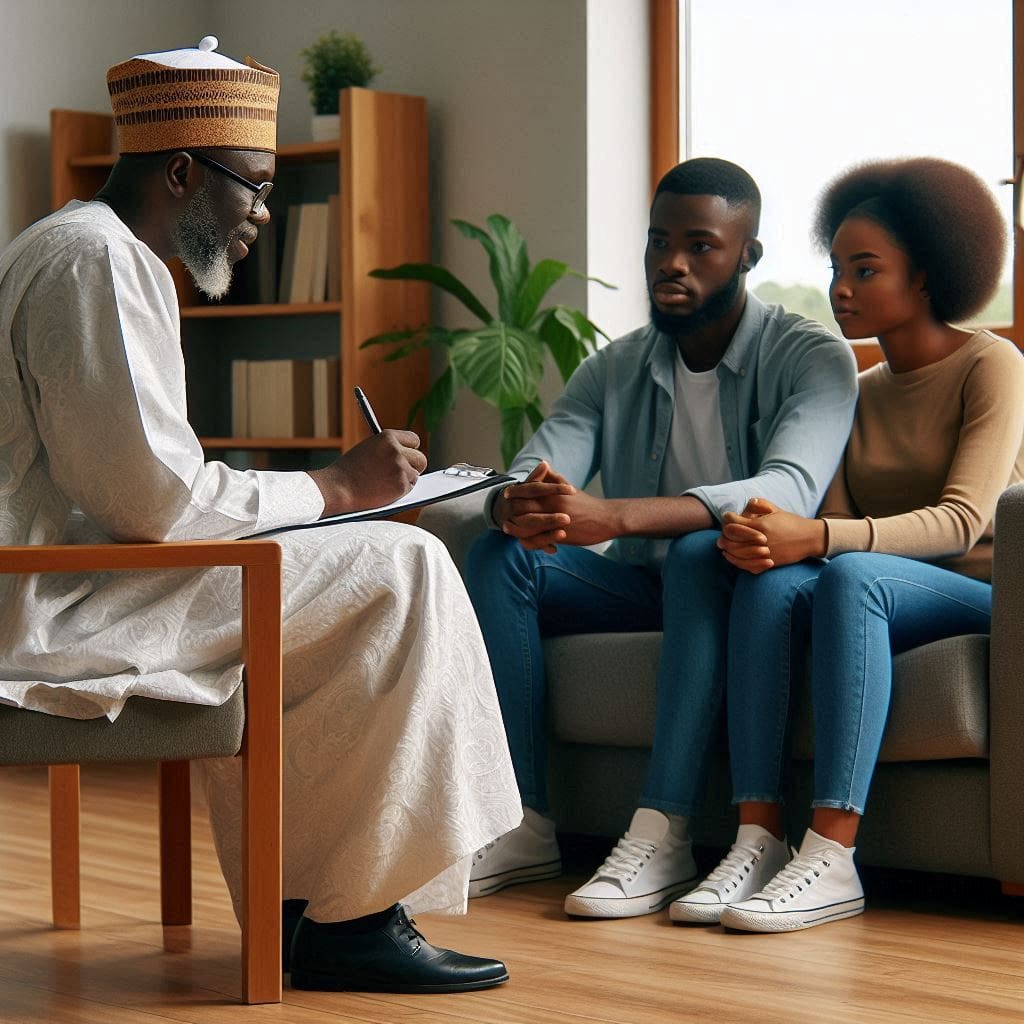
(796, 91)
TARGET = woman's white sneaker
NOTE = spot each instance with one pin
(754, 859)
(528, 853)
(650, 866)
(820, 884)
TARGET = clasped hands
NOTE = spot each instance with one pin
(764, 536)
(545, 510)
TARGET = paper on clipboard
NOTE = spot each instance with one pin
(440, 485)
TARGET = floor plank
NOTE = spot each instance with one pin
(928, 951)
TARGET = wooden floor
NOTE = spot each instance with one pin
(926, 951)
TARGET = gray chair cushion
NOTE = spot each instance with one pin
(602, 692)
(146, 730)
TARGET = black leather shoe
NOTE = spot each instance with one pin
(291, 914)
(392, 958)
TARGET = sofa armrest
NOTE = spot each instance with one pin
(457, 523)
(1006, 694)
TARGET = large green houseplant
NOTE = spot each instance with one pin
(501, 359)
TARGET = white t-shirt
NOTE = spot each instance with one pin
(695, 455)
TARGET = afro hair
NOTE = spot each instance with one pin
(940, 213)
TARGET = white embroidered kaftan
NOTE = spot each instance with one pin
(395, 764)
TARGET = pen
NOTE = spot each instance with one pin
(367, 410)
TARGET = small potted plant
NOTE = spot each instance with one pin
(334, 62)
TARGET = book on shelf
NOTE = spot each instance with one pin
(291, 238)
(326, 393)
(279, 398)
(307, 272)
(264, 275)
(239, 398)
(333, 248)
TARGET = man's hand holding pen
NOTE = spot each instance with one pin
(375, 472)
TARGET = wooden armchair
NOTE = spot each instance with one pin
(172, 734)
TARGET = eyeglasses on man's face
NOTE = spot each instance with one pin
(259, 202)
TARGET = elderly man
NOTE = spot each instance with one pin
(396, 767)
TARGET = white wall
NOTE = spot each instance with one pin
(618, 161)
(55, 54)
(506, 90)
(513, 111)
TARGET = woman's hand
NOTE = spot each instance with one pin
(764, 537)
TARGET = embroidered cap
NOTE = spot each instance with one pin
(193, 98)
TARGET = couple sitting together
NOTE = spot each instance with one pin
(716, 431)
(748, 520)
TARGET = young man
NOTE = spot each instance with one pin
(720, 399)
(95, 447)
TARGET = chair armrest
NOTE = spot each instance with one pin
(1006, 694)
(457, 522)
(189, 554)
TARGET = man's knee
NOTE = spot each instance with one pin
(492, 555)
(694, 556)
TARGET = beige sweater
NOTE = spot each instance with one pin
(929, 454)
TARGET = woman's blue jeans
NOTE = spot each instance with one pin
(521, 596)
(858, 610)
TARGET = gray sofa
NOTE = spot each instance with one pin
(948, 794)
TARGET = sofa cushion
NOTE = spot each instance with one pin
(602, 691)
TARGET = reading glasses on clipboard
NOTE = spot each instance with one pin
(464, 469)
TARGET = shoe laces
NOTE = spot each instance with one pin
(799, 874)
(736, 865)
(407, 929)
(628, 858)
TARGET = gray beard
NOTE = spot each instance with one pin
(201, 248)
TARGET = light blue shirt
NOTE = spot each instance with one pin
(788, 392)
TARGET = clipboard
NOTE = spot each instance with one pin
(439, 485)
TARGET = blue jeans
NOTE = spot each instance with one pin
(521, 596)
(858, 610)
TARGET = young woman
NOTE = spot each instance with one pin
(916, 246)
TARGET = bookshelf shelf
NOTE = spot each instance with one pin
(378, 168)
(267, 443)
(262, 309)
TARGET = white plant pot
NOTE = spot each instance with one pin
(325, 127)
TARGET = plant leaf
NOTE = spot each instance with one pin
(511, 433)
(440, 278)
(535, 415)
(500, 363)
(543, 276)
(565, 338)
(509, 261)
(438, 401)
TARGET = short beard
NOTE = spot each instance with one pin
(715, 306)
(201, 248)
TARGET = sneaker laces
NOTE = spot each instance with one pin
(735, 866)
(798, 874)
(627, 859)
(484, 850)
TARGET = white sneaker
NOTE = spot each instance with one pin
(819, 885)
(754, 859)
(526, 854)
(649, 867)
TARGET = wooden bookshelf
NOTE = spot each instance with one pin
(381, 179)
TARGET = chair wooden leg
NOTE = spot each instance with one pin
(261, 783)
(175, 843)
(64, 838)
(1013, 888)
